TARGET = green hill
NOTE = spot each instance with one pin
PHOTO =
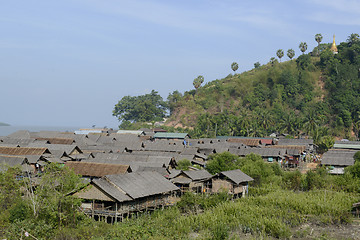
(4, 124)
(315, 94)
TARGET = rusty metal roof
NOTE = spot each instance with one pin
(20, 151)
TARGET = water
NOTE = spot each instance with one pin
(6, 130)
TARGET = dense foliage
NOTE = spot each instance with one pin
(143, 108)
(318, 94)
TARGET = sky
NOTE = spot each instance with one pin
(68, 62)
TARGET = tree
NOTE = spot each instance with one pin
(183, 164)
(324, 143)
(198, 81)
(280, 54)
(318, 39)
(257, 65)
(234, 66)
(173, 100)
(353, 38)
(357, 156)
(303, 47)
(221, 162)
(55, 203)
(143, 108)
(290, 53)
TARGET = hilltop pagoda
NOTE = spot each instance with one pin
(333, 47)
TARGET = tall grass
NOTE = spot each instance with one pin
(273, 215)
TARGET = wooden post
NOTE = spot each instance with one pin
(92, 208)
(116, 211)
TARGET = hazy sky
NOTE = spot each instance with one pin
(67, 63)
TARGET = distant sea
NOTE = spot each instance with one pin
(6, 130)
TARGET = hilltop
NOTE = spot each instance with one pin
(317, 94)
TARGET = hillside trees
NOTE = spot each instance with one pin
(143, 108)
(173, 100)
(288, 95)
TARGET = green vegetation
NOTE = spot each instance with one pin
(143, 108)
(317, 95)
(4, 124)
(278, 202)
(183, 164)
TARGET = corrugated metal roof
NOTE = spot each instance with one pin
(347, 146)
(289, 141)
(87, 131)
(198, 175)
(136, 132)
(248, 142)
(237, 176)
(338, 158)
(23, 151)
(170, 135)
(142, 184)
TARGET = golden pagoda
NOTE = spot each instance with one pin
(333, 47)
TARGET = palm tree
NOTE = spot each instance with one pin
(303, 47)
(234, 66)
(311, 122)
(289, 123)
(290, 53)
(318, 38)
(280, 54)
(198, 81)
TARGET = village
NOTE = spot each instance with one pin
(132, 172)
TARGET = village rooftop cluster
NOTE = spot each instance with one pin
(130, 172)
